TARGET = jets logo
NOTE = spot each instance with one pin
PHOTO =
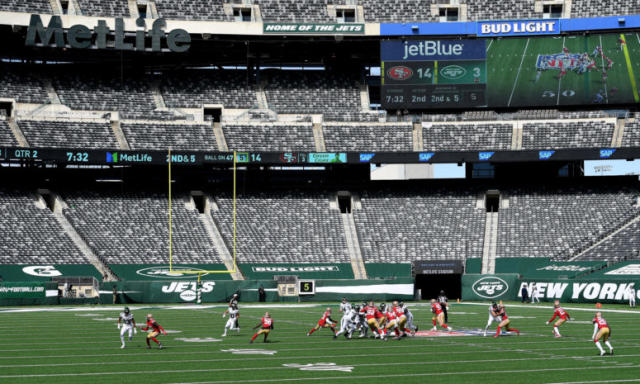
(400, 72)
(166, 272)
(490, 287)
(453, 72)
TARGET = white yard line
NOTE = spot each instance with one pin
(560, 80)
(396, 375)
(169, 371)
(490, 42)
(275, 358)
(515, 83)
(606, 93)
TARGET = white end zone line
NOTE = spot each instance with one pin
(515, 83)
(571, 308)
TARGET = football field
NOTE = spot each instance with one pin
(516, 77)
(81, 345)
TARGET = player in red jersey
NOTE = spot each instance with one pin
(374, 319)
(505, 321)
(391, 322)
(601, 330)
(154, 330)
(401, 318)
(438, 314)
(265, 325)
(325, 322)
(562, 315)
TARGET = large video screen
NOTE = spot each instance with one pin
(514, 72)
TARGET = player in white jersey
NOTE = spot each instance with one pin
(409, 315)
(348, 322)
(493, 316)
(233, 317)
(128, 325)
(631, 292)
(345, 305)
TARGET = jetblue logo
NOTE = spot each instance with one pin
(485, 155)
(545, 155)
(366, 157)
(425, 156)
(606, 153)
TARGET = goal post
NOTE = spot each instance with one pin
(199, 273)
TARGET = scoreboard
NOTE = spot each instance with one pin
(433, 74)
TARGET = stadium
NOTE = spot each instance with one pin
(334, 190)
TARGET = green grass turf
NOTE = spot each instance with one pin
(511, 65)
(67, 347)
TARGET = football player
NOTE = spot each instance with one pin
(154, 330)
(438, 314)
(373, 316)
(348, 323)
(345, 305)
(505, 322)
(233, 316)
(234, 301)
(128, 324)
(562, 317)
(493, 316)
(265, 325)
(391, 323)
(601, 330)
(401, 318)
(325, 322)
(362, 325)
(407, 312)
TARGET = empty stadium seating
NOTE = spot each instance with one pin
(404, 225)
(132, 97)
(631, 136)
(191, 10)
(22, 85)
(593, 8)
(624, 244)
(31, 234)
(291, 226)
(311, 92)
(195, 88)
(554, 221)
(6, 137)
(68, 134)
(105, 8)
(194, 137)
(292, 10)
(467, 137)
(130, 228)
(551, 135)
(31, 6)
(392, 11)
(269, 136)
(368, 137)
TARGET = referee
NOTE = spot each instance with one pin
(442, 299)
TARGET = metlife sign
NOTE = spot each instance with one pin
(428, 50)
(518, 27)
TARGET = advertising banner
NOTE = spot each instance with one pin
(313, 28)
(489, 287)
(518, 27)
(135, 272)
(437, 267)
(303, 271)
(44, 272)
(583, 291)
